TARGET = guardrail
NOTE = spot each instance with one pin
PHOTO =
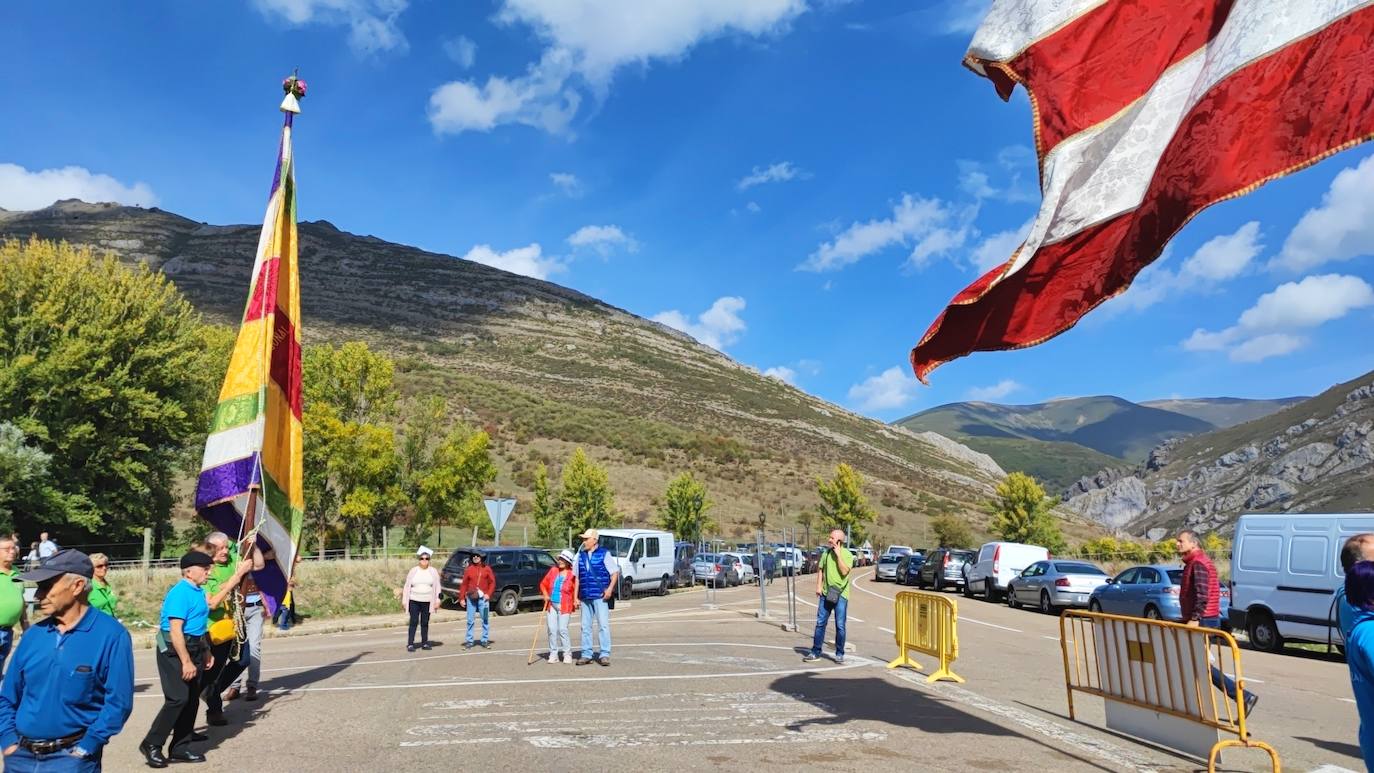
(927, 623)
(1163, 667)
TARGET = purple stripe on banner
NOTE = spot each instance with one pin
(270, 580)
(227, 480)
(276, 176)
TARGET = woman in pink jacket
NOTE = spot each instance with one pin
(419, 597)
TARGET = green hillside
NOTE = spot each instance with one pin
(1224, 412)
(1056, 465)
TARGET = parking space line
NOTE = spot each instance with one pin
(964, 619)
(887, 630)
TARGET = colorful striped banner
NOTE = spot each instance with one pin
(255, 442)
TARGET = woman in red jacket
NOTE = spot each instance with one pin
(474, 595)
(559, 588)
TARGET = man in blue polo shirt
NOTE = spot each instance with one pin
(70, 687)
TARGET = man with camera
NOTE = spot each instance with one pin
(832, 595)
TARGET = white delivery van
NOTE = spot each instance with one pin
(1285, 569)
(997, 563)
(645, 557)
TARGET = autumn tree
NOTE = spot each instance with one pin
(1022, 513)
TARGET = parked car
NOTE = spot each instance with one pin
(812, 561)
(863, 556)
(1147, 591)
(789, 560)
(944, 569)
(708, 568)
(743, 564)
(1053, 585)
(683, 553)
(887, 568)
(518, 573)
(995, 566)
(645, 556)
(897, 550)
(908, 568)
(1284, 570)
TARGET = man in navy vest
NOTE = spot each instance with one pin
(598, 574)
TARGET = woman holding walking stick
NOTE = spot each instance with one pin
(559, 588)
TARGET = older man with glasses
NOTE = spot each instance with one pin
(71, 686)
(13, 608)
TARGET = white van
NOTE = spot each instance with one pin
(996, 565)
(1285, 568)
(645, 557)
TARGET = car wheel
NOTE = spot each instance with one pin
(968, 590)
(508, 603)
(1012, 601)
(1264, 632)
(1093, 606)
(989, 590)
(1152, 613)
(1046, 605)
(627, 587)
(939, 585)
(663, 586)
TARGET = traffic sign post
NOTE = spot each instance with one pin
(498, 510)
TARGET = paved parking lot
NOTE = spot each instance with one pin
(697, 688)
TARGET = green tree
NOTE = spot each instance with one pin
(102, 369)
(843, 505)
(358, 382)
(451, 491)
(548, 520)
(1022, 513)
(951, 532)
(585, 499)
(24, 481)
(684, 508)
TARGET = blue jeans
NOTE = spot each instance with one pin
(25, 761)
(482, 607)
(595, 612)
(823, 610)
(1219, 680)
(6, 642)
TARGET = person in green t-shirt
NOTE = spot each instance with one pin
(832, 580)
(13, 610)
(226, 572)
(102, 596)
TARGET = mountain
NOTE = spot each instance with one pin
(1223, 412)
(1314, 456)
(544, 368)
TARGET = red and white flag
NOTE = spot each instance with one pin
(1147, 112)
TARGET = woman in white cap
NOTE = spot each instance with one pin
(559, 588)
(420, 596)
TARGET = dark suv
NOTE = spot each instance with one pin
(518, 573)
(944, 567)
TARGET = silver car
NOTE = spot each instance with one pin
(887, 567)
(1052, 585)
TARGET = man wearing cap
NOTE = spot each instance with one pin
(598, 574)
(70, 688)
(474, 595)
(13, 610)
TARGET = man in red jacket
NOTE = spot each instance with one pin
(474, 595)
(1199, 599)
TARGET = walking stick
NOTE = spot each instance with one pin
(530, 661)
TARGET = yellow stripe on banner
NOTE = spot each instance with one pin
(245, 372)
(282, 446)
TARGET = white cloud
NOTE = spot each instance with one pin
(781, 172)
(893, 388)
(1269, 328)
(568, 183)
(462, 50)
(1224, 257)
(372, 23)
(753, 207)
(929, 224)
(995, 392)
(964, 16)
(587, 41)
(21, 189)
(603, 238)
(717, 327)
(1014, 163)
(527, 261)
(974, 181)
(1340, 229)
(809, 367)
(783, 374)
(997, 248)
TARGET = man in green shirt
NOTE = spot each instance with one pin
(12, 608)
(832, 595)
(226, 573)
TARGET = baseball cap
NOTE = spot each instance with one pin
(195, 558)
(589, 534)
(68, 561)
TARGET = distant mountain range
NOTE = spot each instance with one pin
(1063, 440)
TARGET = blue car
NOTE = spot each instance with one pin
(908, 568)
(1147, 591)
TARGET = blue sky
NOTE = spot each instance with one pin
(801, 183)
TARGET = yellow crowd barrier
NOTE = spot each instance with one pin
(926, 623)
(1159, 666)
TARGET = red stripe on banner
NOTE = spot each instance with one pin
(1108, 58)
(1291, 109)
(286, 360)
(264, 291)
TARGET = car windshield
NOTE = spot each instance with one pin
(1176, 576)
(619, 546)
(889, 559)
(961, 555)
(704, 558)
(1069, 568)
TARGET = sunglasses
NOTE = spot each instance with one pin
(100, 566)
(424, 558)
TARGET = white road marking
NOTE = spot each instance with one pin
(1347, 700)
(454, 741)
(887, 630)
(1051, 638)
(813, 735)
(963, 619)
(1120, 758)
(1331, 769)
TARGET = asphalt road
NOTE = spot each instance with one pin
(694, 688)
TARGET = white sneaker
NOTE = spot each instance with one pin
(553, 657)
(568, 658)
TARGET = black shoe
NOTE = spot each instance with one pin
(426, 646)
(467, 645)
(1250, 700)
(604, 660)
(486, 645)
(215, 718)
(199, 736)
(251, 694)
(153, 755)
(410, 648)
(186, 756)
(583, 661)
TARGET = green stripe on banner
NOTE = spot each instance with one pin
(237, 411)
(280, 506)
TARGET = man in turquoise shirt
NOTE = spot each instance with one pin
(1355, 608)
(13, 610)
(832, 579)
(183, 655)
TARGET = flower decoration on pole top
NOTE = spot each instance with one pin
(295, 91)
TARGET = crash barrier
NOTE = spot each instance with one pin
(926, 623)
(1165, 668)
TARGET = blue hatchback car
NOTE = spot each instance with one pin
(1147, 591)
